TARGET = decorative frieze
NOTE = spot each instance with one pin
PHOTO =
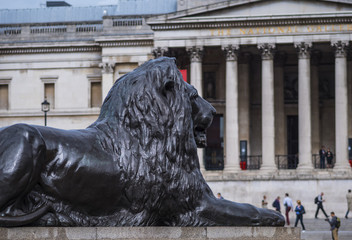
(126, 43)
(303, 49)
(340, 48)
(195, 53)
(107, 67)
(256, 23)
(159, 52)
(267, 50)
(231, 52)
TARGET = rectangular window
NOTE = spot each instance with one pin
(95, 94)
(4, 96)
(49, 94)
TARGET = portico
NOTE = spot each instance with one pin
(291, 106)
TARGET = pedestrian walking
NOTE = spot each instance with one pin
(288, 207)
(319, 203)
(299, 210)
(276, 204)
(349, 202)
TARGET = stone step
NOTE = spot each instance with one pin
(325, 235)
(321, 225)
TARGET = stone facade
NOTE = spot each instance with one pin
(278, 73)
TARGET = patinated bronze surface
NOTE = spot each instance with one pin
(137, 165)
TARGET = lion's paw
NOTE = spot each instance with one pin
(269, 217)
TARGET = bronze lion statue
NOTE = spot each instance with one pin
(137, 165)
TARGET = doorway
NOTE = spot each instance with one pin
(292, 141)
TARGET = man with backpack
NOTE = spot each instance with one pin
(335, 224)
(319, 201)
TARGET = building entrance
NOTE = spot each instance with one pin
(214, 152)
(292, 142)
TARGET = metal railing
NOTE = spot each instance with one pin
(321, 163)
(252, 162)
(287, 161)
(214, 158)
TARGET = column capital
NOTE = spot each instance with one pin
(303, 49)
(340, 48)
(107, 67)
(159, 51)
(231, 52)
(196, 53)
(267, 50)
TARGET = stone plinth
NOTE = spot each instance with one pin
(145, 233)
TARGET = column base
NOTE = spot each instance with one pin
(342, 168)
(268, 168)
(232, 169)
(305, 168)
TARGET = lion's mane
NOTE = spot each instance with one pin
(147, 116)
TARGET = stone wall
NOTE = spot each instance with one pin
(252, 191)
(145, 233)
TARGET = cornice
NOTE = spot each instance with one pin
(97, 48)
(49, 50)
(233, 23)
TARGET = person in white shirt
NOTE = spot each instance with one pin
(288, 207)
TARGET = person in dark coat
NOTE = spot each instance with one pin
(322, 155)
(276, 204)
(329, 158)
(333, 226)
(320, 205)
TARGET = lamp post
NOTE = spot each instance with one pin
(45, 109)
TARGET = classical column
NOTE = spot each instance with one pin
(315, 58)
(341, 106)
(304, 108)
(280, 121)
(268, 116)
(107, 78)
(159, 51)
(231, 121)
(244, 98)
(196, 55)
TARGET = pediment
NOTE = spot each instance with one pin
(253, 9)
(282, 7)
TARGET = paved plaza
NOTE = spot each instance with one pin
(318, 229)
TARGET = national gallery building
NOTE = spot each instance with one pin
(279, 74)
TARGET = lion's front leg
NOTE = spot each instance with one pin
(213, 211)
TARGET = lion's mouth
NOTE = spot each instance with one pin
(200, 136)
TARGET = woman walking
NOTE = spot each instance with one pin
(299, 214)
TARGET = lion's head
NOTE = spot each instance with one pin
(158, 112)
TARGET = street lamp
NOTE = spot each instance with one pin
(45, 109)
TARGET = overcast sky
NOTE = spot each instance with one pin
(17, 4)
